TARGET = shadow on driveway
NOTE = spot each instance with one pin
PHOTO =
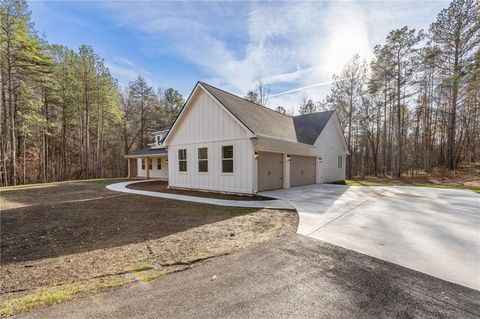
(296, 277)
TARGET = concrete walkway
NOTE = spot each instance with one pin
(272, 204)
(432, 230)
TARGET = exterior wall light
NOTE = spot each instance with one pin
(256, 156)
(320, 160)
(289, 157)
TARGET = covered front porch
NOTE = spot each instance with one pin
(148, 163)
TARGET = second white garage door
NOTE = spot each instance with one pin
(302, 170)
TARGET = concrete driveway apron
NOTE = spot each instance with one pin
(435, 231)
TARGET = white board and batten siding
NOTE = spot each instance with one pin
(154, 172)
(329, 147)
(205, 123)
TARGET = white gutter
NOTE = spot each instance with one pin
(146, 155)
(282, 140)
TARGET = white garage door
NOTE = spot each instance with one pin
(302, 170)
(270, 171)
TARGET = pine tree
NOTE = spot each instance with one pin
(347, 96)
(455, 34)
(401, 45)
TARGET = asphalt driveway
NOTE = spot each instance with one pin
(435, 231)
(291, 277)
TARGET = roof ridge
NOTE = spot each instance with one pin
(254, 103)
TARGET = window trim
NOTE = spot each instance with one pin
(227, 159)
(159, 163)
(182, 160)
(202, 160)
(143, 164)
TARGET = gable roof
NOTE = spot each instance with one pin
(165, 128)
(309, 126)
(259, 119)
(263, 121)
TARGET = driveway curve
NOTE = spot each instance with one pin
(271, 204)
(435, 231)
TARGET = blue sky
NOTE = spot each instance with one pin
(289, 45)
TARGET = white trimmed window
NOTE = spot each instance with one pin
(227, 159)
(182, 160)
(340, 160)
(143, 163)
(203, 160)
(159, 164)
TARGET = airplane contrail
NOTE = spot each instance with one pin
(304, 88)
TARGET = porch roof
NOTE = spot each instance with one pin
(149, 152)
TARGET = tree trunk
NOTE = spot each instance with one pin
(3, 130)
(45, 174)
(349, 164)
(398, 172)
(12, 111)
(63, 164)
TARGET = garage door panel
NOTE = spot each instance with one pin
(302, 170)
(270, 171)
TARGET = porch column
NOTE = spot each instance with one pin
(129, 172)
(147, 167)
(286, 170)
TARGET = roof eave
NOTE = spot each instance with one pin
(146, 155)
(282, 140)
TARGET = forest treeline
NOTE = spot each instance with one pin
(63, 116)
(415, 106)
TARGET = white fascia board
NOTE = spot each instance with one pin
(281, 140)
(145, 156)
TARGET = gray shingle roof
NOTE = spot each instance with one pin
(259, 119)
(264, 121)
(309, 126)
(149, 151)
(168, 127)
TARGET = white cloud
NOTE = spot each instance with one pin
(125, 70)
(291, 46)
(303, 88)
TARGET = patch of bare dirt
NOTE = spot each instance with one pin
(74, 233)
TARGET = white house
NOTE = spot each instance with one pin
(222, 142)
(152, 161)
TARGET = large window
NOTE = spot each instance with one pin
(340, 159)
(182, 160)
(159, 164)
(227, 159)
(203, 160)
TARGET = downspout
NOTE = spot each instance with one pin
(254, 141)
